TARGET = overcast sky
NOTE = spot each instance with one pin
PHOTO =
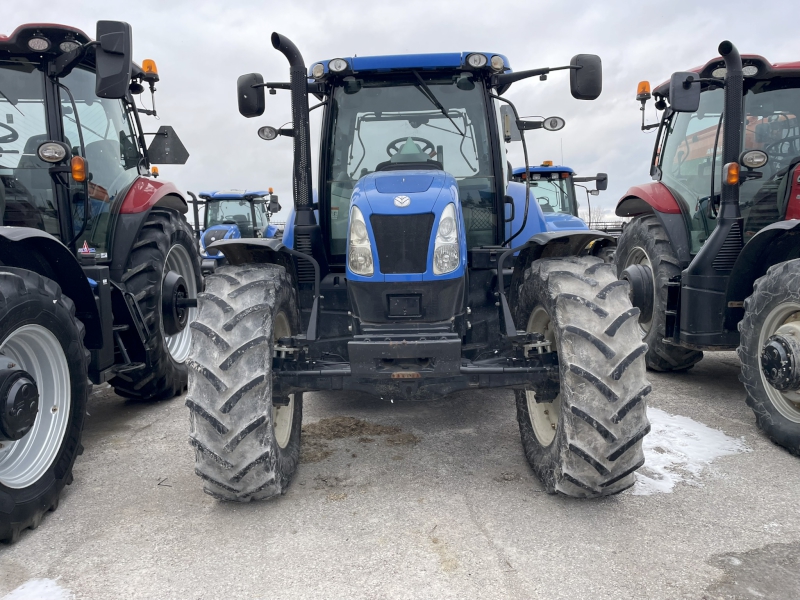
(201, 47)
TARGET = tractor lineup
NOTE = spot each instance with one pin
(422, 264)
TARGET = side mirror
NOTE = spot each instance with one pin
(250, 92)
(684, 92)
(602, 182)
(586, 81)
(274, 205)
(114, 59)
(510, 131)
(167, 148)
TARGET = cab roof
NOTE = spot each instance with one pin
(234, 194)
(17, 41)
(402, 62)
(553, 169)
(766, 70)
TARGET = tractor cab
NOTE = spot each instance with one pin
(552, 185)
(231, 215)
(71, 142)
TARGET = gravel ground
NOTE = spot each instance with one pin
(417, 500)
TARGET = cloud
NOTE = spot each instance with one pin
(202, 47)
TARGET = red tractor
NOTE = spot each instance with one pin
(99, 271)
(712, 252)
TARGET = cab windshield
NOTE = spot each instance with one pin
(380, 124)
(771, 110)
(553, 193)
(239, 213)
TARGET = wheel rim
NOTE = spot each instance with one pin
(638, 256)
(282, 416)
(544, 416)
(786, 403)
(37, 350)
(180, 261)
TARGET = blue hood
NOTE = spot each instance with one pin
(423, 188)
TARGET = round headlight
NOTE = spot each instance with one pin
(267, 133)
(498, 64)
(750, 70)
(337, 65)
(719, 72)
(476, 61)
(754, 159)
(38, 44)
(317, 71)
(52, 152)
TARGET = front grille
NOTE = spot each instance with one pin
(402, 241)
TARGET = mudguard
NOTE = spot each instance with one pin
(774, 244)
(657, 199)
(40, 252)
(146, 193)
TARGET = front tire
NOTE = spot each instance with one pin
(40, 334)
(247, 442)
(586, 441)
(774, 304)
(645, 242)
(164, 244)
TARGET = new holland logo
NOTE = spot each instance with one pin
(402, 201)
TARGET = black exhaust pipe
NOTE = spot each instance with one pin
(298, 78)
(731, 126)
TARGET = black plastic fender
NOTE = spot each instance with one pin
(774, 244)
(549, 244)
(40, 252)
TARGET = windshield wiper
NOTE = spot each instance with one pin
(426, 91)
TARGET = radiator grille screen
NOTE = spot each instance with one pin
(402, 241)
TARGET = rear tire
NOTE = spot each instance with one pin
(774, 302)
(644, 241)
(39, 331)
(247, 447)
(164, 243)
(587, 441)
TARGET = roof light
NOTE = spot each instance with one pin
(337, 65)
(270, 190)
(643, 91)
(68, 46)
(317, 71)
(476, 61)
(731, 171)
(749, 70)
(38, 44)
(498, 64)
(547, 163)
(149, 66)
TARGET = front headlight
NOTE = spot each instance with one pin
(445, 250)
(359, 252)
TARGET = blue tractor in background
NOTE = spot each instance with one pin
(417, 268)
(232, 215)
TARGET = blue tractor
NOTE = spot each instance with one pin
(232, 215)
(417, 269)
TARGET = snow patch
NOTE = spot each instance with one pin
(678, 449)
(39, 589)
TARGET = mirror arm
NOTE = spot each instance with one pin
(312, 88)
(504, 79)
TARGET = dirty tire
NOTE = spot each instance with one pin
(645, 234)
(599, 417)
(165, 377)
(26, 299)
(236, 439)
(776, 296)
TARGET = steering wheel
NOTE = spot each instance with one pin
(10, 137)
(792, 140)
(427, 146)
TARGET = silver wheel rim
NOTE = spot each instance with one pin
(544, 416)
(786, 403)
(179, 260)
(282, 416)
(638, 256)
(37, 350)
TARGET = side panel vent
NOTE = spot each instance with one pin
(305, 270)
(729, 252)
